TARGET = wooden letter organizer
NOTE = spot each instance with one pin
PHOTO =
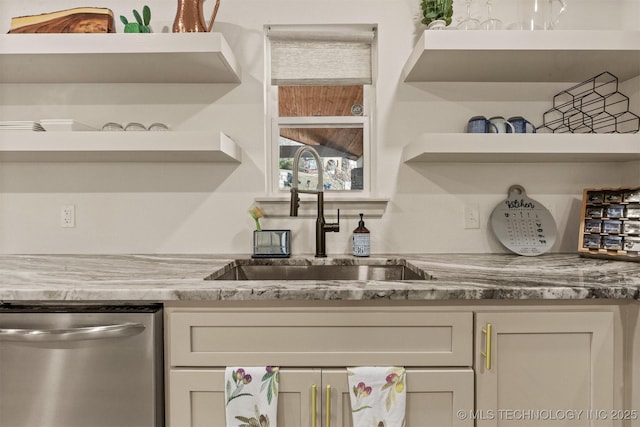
(610, 223)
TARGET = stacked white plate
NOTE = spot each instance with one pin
(64, 125)
(20, 126)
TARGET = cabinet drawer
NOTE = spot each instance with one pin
(319, 337)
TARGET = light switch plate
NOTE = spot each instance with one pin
(471, 216)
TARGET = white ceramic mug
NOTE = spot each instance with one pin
(500, 125)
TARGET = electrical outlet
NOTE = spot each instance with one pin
(471, 216)
(68, 216)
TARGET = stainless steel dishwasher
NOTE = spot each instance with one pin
(81, 365)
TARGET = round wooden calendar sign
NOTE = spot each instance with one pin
(523, 225)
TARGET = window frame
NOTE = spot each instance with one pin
(319, 122)
(273, 123)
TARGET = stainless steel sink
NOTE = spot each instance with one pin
(260, 270)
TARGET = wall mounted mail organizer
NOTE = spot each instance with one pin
(610, 223)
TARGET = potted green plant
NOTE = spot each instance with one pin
(436, 13)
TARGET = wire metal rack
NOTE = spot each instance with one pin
(593, 106)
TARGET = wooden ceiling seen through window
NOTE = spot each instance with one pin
(309, 101)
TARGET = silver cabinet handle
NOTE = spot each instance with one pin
(73, 334)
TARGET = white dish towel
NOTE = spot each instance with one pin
(378, 396)
(251, 396)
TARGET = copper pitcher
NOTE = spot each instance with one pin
(190, 18)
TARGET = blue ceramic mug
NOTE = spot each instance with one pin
(479, 124)
(520, 125)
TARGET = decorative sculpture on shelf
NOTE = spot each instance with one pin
(142, 22)
(190, 17)
(76, 20)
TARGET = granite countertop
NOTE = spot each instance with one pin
(181, 277)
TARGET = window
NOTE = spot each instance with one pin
(319, 91)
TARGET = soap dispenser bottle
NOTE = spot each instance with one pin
(361, 239)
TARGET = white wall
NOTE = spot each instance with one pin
(196, 208)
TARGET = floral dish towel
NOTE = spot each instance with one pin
(378, 396)
(251, 396)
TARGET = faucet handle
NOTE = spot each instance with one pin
(335, 227)
(294, 204)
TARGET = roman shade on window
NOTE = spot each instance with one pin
(327, 56)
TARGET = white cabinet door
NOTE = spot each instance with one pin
(197, 397)
(633, 365)
(543, 366)
(434, 397)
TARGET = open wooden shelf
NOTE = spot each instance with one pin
(522, 56)
(117, 58)
(168, 146)
(523, 148)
